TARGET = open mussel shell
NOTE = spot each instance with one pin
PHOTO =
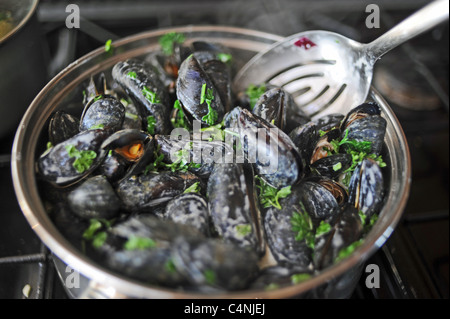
(145, 191)
(94, 198)
(322, 197)
(56, 165)
(191, 79)
(270, 150)
(332, 166)
(233, 206)
(62, 126)
(134, 147)
(360, 111)
(213, 263)
(366, 188)
(104, 112)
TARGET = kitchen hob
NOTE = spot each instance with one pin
(413, 78)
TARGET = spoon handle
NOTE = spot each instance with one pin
(420, 22)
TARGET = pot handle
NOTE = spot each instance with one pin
(97, 291)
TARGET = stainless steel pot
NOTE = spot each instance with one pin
(64, 92)
(22, 63)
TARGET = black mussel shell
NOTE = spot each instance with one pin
(332, 166)
(94, 198)
(203, 154)
(62, 126)
(191, 79)
(287, 249)
(329, 122)
(321, 197)
(57, 166)
(346, 228)
(270, 150)
(190, 209)
(271, 106)
(366, 188)
(105, 112)
(370, 129)
(142, 192)
(213, 263)
(232, 206)
(152, 264)
(305, 138)
(363, 110)
(139, 80)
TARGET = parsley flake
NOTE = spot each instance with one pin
(269, 195)
(207, 96)
(168, 41)
(150, 95)
(83, 159)
(254, 92)
(139, 243)
(194, 188)
(302, 227)
(151, 122)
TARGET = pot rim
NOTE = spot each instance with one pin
(22, 23)
(120, 286)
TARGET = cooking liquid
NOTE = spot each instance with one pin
(6, 23)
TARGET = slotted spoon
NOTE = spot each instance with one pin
(327, 72)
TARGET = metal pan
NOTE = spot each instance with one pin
(64, 92)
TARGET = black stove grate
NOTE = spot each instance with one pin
(413, 262)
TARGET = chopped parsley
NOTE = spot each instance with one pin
(93, 233)
(224, 57)
(254, 92)
(358, 150)
(303, 227)
(323, 228)
(150, 95)
(169, 266)
(132, 74)
(97, 126)
(210, 276)
(243, 229)
(182, 162)
(139, 243)
(178, 121)
(207, 96)
(194, 188)
(269, 195)
(151, 122)
(298, 278)
(83, 159)
(108, 46)
(347, 251)
(337, 166)
(168, 41)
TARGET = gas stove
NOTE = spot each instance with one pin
(413, 79)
